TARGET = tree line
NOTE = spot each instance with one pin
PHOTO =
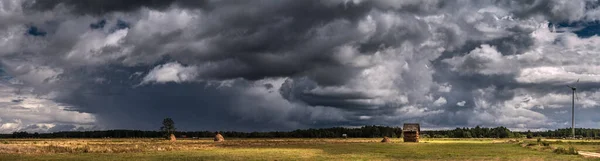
(477, 132)
(503, 132)
(561, 133)
(335, 132)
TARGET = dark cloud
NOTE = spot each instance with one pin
(100, 7)
(273, 65)
(17, 100)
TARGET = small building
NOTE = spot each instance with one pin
(411, 132)
(344, 136)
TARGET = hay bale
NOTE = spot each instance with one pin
(219, 137)
(172, 137)
(386, 140)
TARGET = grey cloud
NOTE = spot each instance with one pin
(99, 7)
(58, 128)
(554, 10)
(485, 60)
(272, 65)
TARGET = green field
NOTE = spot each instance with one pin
(273, 149)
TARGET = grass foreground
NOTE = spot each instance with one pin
(270, 149)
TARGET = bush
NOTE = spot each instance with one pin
(545, 143)
(539, 140)
(561, 150)
(5, 142)
(572, 151)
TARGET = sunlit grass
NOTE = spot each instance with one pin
(274, 149)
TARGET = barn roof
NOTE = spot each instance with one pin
(411, 127)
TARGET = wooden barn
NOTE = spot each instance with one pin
(411, 132)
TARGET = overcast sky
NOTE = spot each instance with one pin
(265, 65)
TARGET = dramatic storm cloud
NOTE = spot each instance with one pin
(288, 64)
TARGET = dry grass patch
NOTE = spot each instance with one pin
(101, 145)
(274, 149)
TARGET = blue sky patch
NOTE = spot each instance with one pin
(580, 28)
(98, 25)
(34, 31)
(120, 25)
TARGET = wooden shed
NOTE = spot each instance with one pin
(411, 132)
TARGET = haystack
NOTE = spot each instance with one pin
(219, 137)
(172, 137)
(386, 140)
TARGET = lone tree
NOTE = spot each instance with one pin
(168, 127)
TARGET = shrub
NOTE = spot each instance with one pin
(545, 143)
(539, 140)
(5, 142)
(561, 150)
(572, 151)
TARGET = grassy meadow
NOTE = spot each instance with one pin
(284, 149)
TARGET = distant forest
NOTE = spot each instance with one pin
(336, 132)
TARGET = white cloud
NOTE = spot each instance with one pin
(171, 72)
(30, 109)
(408, 112)
(440, 101)
(10, 126)
(560, 58)
(560, 74)
(561, 112)
(505, 113)
(99, 47)
(461, 103)
(483, 60)
(445, 88)
(32, 74)
(365, 117)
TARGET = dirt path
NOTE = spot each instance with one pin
(589, 154)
